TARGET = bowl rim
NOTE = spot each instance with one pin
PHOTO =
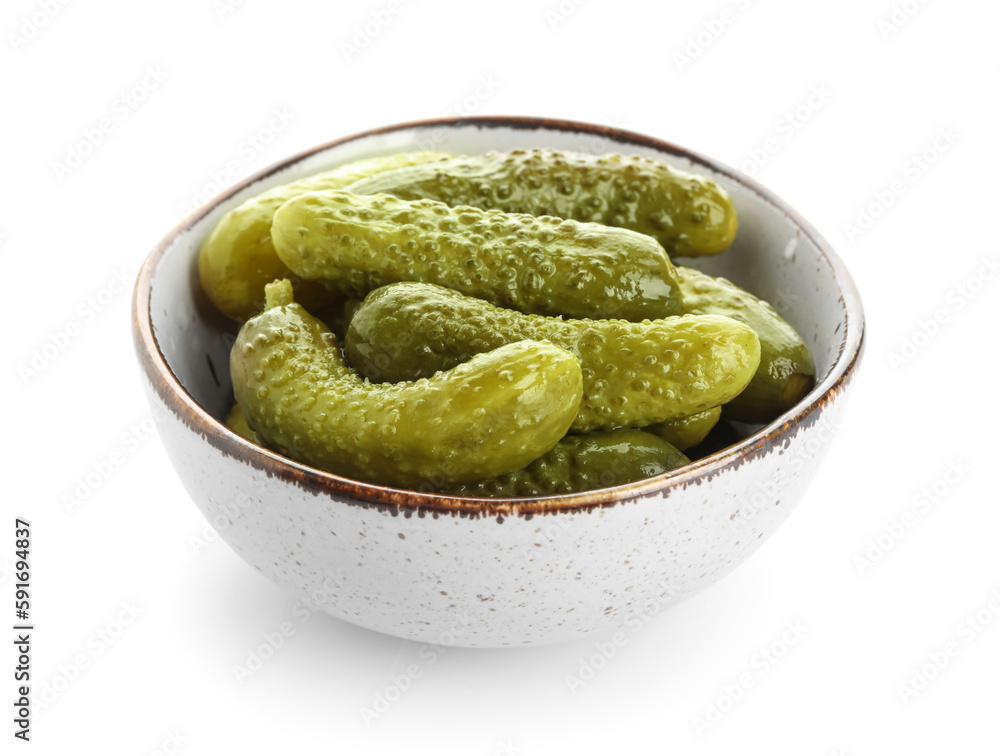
(356, 493)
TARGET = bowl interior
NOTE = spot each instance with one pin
(776, 254)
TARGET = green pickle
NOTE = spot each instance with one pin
(491, 415)
(634, 374)
(237, 258)
(688, 214)
(488, 306)
(787, 371)
(583, 463)
(537, 265)
(689, 431)
(236, 422)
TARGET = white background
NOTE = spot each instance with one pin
(68, 237)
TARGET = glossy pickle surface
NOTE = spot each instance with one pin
(492, 415)
(533, 264)
(688, 431)
(786, 372)
(471, 224)
(689, 214)
(237, 259)
(634, 374)
(584, 463)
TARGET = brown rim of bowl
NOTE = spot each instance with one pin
(773, 435)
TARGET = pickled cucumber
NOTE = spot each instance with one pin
(583, 463)
(237, 423)
(787, 371)
(536, 265)
(492, 415)
(688, 214)
(237, 259)
(687, 432)
(634, 374)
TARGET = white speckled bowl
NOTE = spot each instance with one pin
(444, 570)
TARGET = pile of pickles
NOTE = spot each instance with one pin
(503, 325)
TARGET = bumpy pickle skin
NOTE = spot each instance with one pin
(537, 265)
(237, 258)
(583, 463)
(689, 431)
(634, 374)
(496, 413)
(786, 372)
(690, 215)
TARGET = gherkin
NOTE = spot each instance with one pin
(634, 374)
(508, 298)
(583, 463)
(786, 372)
(492, 415)
(689, 214)
(688, 431)
(538, 265)
(237, 258)
(236, 422)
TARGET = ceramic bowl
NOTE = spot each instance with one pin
(514, 572)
